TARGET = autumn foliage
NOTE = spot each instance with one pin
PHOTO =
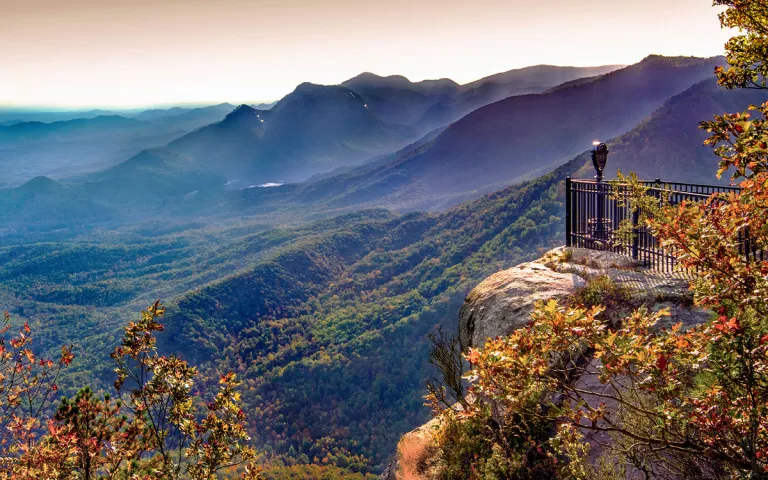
(152, 427)
(684, 402)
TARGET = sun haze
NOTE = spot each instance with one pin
(118, 53)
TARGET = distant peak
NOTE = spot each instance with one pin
(368, 79)
(244, 109)
(372, 78)
(307, 87)
(446, 82)
(322, 91)
(366, 76)
(241, 111)
(681, 61)
(40, 180)
(41, 184)
(654, 58)
(113, 118)
(241, 114)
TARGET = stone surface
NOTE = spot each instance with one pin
(503, 302)
(597, 259)
(411, 450)
(390, 473)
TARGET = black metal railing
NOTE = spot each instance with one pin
(595, 211)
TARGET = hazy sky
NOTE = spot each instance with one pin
(143, 52)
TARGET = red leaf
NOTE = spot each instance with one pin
(662, 363)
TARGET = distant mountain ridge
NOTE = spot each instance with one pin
(71, 147)
(522, 136)
(431, 104)
(424, 105)
(67, 130)
(37, 115)
(320, 129)
(186, 118)
(669, 144)
(314, 129)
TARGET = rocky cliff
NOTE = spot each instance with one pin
(504, 301)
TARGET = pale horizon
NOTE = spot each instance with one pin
(113, 54)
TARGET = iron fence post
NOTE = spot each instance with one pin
(600, 227)
(568, 208)
(635, 233)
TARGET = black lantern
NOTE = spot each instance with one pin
(599, 159)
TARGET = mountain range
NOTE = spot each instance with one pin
(67, 148)
(317, 128)
(316, 296)
(524, 136)
(432, 104)
(521, 136)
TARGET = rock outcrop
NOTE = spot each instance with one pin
(504, 301)
(411, 450)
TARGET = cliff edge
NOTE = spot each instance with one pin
(503, 302)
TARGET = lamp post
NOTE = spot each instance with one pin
(599, 160)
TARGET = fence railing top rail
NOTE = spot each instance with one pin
(651, 183)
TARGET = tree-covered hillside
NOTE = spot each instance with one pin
(326, 323)
(329, 332)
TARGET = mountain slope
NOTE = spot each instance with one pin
(314, 129)
(76, 147)
(151, 177)
(329, 332)
(669, 145)
(521, 136)
(42, 202)
(435, 103)
(540, 76)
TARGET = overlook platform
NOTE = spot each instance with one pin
(503, 302)
(595, 212)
